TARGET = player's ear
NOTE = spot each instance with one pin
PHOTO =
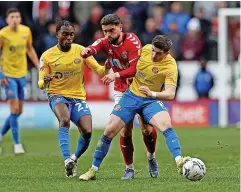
(121, 27)
(7, 19)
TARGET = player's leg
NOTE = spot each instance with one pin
(126, 143)
(121, 115)
(112, 129)
(81, 116)
(10, 93)
(149, 137)
(21, 83)
(127, 149)
(59, 106)
(13, 101)
(156, 114)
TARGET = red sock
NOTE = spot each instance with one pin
(150, 141)
(127, 149)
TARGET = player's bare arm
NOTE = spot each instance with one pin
(32, 55)
(3, 80)
(95, 66)
(167, 95)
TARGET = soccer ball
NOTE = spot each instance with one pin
(194, 169)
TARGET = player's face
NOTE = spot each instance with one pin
(13, 19)
(112, 32)
(66, 36)
(157, 54)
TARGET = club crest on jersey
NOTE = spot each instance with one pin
(155, 70)
(24, 37)
(117, 108)
(124, 55)
(110, 52)
(57, 99)
(77, 61)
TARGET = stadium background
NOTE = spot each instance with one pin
(41, 168)
(192, 26)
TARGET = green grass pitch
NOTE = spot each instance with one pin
(42, 169)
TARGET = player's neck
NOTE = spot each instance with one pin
(63, 49)
(119, 42)
(14, 29)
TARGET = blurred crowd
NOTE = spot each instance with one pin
(192, 26)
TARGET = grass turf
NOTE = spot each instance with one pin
(42, 168)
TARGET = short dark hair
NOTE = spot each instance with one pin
(12, 10)
(162, 42)
(110, 19)
(63, 23)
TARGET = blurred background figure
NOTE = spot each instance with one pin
(203, 82)
(192, 45)
(176, 13)
(176, 37)
(49, 38)
(150, 31)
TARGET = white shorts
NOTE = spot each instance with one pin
(117, 96)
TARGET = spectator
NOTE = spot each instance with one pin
(81, 10)
(176, 14)
(50, 38)
(138, 11)
(236, 43)
(93, 24)
(127, 24)
(203, 82)
(192, 45)
(150, 31)
(175, 36)
(157, 14)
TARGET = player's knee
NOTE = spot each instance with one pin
(164, 124)
(86, 136)
(147, 129)
(64, 122)
(15, 109)
(125, 132)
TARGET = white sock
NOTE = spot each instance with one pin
(177, 158)
(95, 168)
(131, 166)
(151, 156)
(73, 157)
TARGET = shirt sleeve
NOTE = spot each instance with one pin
(171, 76)
(95, 66)
(30, 38)
(44, 70)
(97, 46)
(134, 47)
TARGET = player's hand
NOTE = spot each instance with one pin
(107, 64)
(48, 78)
(4, 82)
(86, 52)
(145, 90)
(107, 79)
(129, 80)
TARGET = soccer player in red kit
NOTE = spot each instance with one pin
(122, 51)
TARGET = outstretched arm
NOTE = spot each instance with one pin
(167, 95)
(95, 66)
(31, 51)
(44, 76)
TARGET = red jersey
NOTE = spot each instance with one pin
(123, 58)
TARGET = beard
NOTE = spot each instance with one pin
(115, 40)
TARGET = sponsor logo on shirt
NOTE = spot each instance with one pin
(117, 108)
(124, 55)
(77, 61)
(155, 70)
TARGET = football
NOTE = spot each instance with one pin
(194, 169)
